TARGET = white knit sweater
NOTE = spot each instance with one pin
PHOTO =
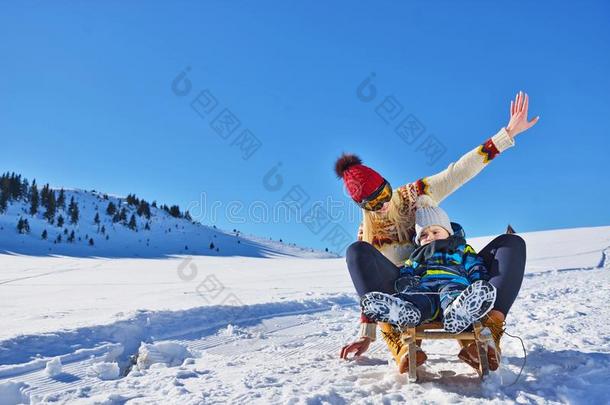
(438, 187)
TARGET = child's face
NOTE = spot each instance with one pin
(431, 233)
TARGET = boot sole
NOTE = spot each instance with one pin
(471, 305)
(384, 307)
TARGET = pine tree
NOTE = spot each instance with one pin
(44, 234)
(111, 209)
(3, 201)
(51, 206)
(123, 215)
(132, 200)
(61, 200)
(212, 245)
(24, 190)
(147, 226)
(144, 209)
(34, 198)
(96, 220)
(23, 226)
(60, 221)
(73, 211)
(71, 237)
(11, 186)
(174, 211)
(4, 184)
(15, 187)
(91, 242)
(44, 195)
(103, 229)
(132, 222)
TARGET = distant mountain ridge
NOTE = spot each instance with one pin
(76, 222)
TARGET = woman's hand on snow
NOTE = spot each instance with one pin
(359, 346)
(518, 116)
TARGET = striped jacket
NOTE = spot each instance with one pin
(445, 260)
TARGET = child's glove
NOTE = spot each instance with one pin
(406, 283)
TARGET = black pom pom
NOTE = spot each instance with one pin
(344, 162)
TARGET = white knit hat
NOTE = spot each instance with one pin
(427, 214)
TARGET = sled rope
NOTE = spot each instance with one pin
(524, 358)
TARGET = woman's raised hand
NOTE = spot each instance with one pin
(518, 115)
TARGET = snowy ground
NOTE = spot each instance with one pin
(269, 330)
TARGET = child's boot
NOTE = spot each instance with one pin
(387, 308)
(471, 305)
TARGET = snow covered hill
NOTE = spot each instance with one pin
(160, 235)
(269, 330)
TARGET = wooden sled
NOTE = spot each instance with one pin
(409, 336)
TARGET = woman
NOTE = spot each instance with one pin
(386, 233)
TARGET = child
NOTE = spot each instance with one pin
(444, 274)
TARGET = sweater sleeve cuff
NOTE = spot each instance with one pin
(368, 330)
(502, 140)
(364, 319)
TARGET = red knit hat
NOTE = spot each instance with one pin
(360, 180)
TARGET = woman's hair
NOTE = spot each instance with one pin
(398, 213)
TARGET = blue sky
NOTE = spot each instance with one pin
(87, 101)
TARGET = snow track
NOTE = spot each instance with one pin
(278, 323)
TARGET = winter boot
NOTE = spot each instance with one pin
(469, 354)
(471, 305)
(387, 308)
(399, 351)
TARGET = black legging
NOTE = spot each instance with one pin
(504, 258)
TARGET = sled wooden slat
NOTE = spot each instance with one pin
(443, 335)
(430, 331)
(412, 355)
(482, 350)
